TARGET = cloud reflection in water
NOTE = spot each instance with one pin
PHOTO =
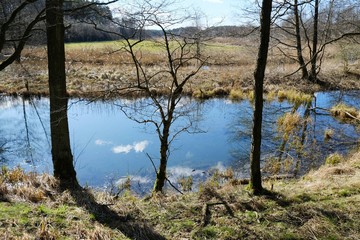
(136, 146)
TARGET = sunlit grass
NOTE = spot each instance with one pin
(296, 97)
(237, 94)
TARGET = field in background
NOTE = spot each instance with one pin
(97, 67)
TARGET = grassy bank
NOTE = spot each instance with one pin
(324, 204)
(93, 69)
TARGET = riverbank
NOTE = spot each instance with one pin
(323, 204)
(100, 70)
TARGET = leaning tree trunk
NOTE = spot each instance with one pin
(305, 74)
(313, 74)
(60, 140)
(259, 74)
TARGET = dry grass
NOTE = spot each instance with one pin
(237, 94)
(96, 68)
(344, 112)
(295, 97)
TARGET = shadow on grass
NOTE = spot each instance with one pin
(108, 217)
(279, 198)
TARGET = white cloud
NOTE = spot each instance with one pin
(140, 146)
(122, 149)
(102, 142)
(136, 146)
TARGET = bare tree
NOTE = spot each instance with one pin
(312, 25)
(163, 86)
(259, 74)
(299, 48)
(313, 55)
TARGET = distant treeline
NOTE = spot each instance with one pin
(81, 17)
(84, 32)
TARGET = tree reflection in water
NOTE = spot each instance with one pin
(99, 130)
(293, 134)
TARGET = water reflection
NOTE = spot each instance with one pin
(25, 139)
(110, 148)
(293, 134)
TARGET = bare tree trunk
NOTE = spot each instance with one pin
(164, 148)
(259, 74)
(313, 74)
(305, 74)
(60, 140)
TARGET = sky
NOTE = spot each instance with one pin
(221, 12)
(217, 12)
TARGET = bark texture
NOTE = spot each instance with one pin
(60, 140)
(259, 74)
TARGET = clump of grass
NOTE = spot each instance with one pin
(202, 94)
(27, 186)
(270, 96)
(295, 97)
(237, 95)
(334, 159)
(13, 176)
(343, 111)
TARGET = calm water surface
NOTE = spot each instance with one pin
(108, 146)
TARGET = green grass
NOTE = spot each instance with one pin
(149, 45)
